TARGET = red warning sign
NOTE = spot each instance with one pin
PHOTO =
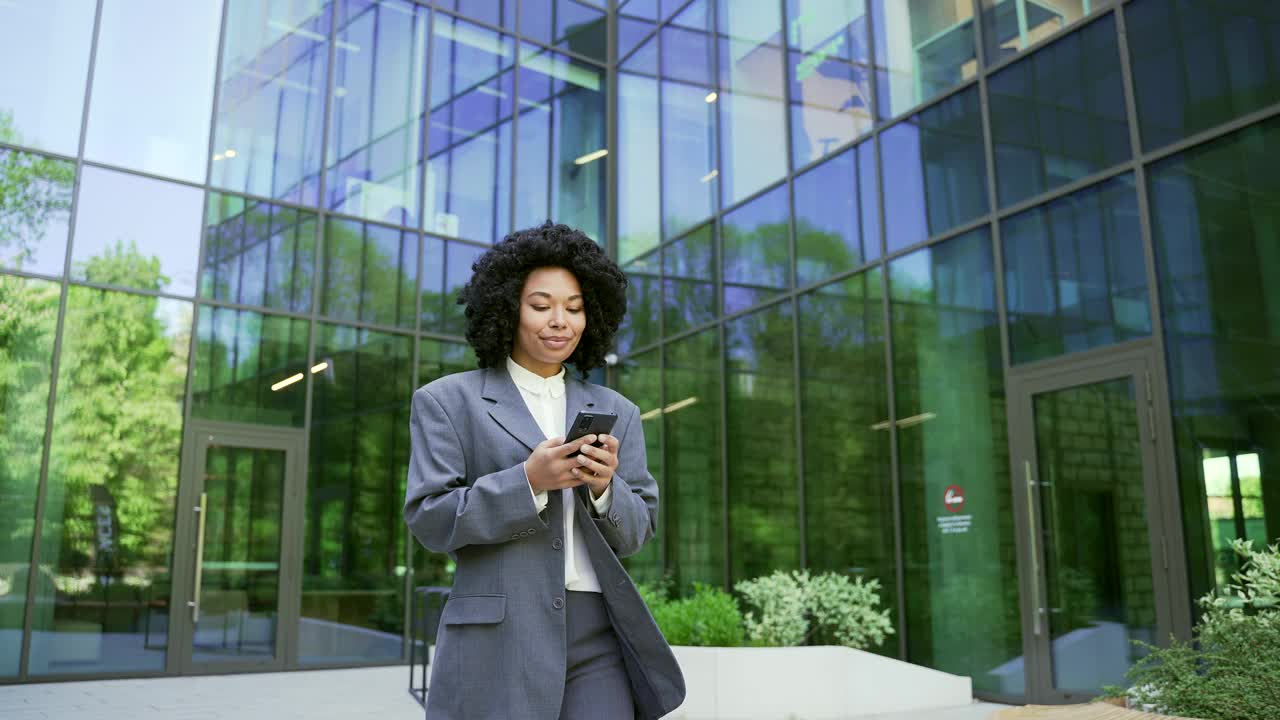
(953, 498)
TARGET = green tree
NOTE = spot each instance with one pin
(33, 190)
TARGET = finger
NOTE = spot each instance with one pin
(611, 443)
(551, 442)
(594, 466)
(567, 448)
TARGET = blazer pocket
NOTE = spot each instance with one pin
(474, 610)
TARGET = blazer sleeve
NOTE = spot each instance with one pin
(439, 507)
(632, 518)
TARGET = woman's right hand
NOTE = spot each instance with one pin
(549, 466)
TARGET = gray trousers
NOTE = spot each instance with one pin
(596, 685)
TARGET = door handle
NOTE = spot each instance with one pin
(195, 593)
(1035, 550)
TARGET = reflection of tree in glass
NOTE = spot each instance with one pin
(118, 421)
(33, 189)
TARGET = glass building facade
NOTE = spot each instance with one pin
(977, 298)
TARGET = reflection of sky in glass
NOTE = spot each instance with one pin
(755, 239)
(688, 161)
(271, 103)
(378, 102)
(153, 85)
(828, 239)
(163, 219)
(45, 98)
(561, 149)
(568, 24)
(638, 221)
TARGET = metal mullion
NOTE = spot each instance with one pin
(920, 107)
(154, 176)
(42, 480)
(895, 482)
(1176, 574)
(31, 150)
(1214, 133)
(1061, 191)
(516, 65)
(407, 639)
(609, 233)
(30, 275)
(718, 264)
(797, 377)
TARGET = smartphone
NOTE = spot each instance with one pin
(590, 423)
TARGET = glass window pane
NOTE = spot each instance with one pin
(638, 184)
(270, 116)
(251, 367)
(355, 554)
(494, 12)
(375, 152)
(26, 354)
(431, 284)
(1214, 221)
(468, 191)
(694, 506)
(764, 516)
(370, 273)
(1058, 115)
(644, 303)
(923, 49)
(153, 86)
(688, 156)
(35, 210)
(257, 253)
(1200, 63)
(631, 33)
(42, 105)
(102, 595)
(570, 25)
(934, 162)
(687, 48)
(846, 440)
(1075, 276)
(562, 152)
(689, 273)
(757, 255)
(752, 110)
(121, 215)
(640, 380)
(830, 76)
(963, 608)
(832, 235)
(459, 258)
(1009, 26)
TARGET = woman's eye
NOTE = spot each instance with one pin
(575, 310)
(541, 308)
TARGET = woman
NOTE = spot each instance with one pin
(543, 621)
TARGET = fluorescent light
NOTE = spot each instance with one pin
(590, 157)
(711, 96)
(906, 421)
(319, 367)
(709, 176)
(651, 414)
(490, 91)
(230, 153)
(681, 404)
(217, 157)
(287, 382)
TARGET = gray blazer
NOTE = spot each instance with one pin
(501, 650)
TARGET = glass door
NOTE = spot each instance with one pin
(239, 503)
(1091, 531)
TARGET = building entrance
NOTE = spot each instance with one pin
(1093, 522)
(236, 558)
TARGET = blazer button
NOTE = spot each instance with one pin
(558, 603)
(516, 536)
(557, 543)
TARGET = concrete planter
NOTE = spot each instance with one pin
(813, 683)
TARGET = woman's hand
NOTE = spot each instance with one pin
(597, 465)
(549, 466)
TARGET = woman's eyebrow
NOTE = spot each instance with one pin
(547, 295)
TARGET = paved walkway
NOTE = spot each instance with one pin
(376, 693)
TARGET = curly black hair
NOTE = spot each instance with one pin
(492, 298)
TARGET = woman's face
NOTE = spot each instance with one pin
(552, 320)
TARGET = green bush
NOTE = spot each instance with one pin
(1232, 670)
(796, 608)
(709, 617)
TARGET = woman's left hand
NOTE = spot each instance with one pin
(596, 465)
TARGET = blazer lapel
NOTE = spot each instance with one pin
(509, 409)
